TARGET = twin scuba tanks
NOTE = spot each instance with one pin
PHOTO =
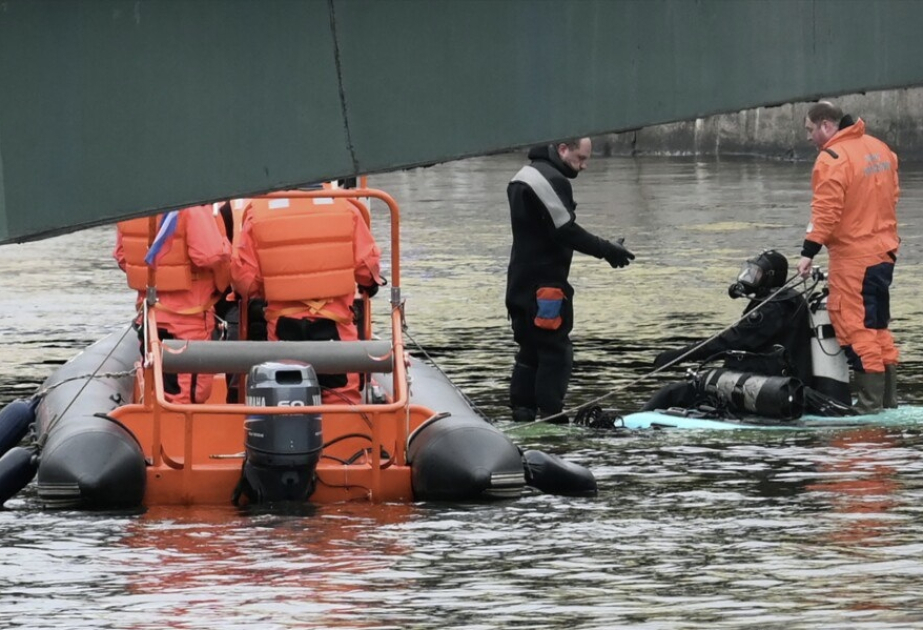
(282, 450)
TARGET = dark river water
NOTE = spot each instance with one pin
(692, 529)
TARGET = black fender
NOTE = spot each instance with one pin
(15, 420)
(17, 468)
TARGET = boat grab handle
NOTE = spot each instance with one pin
(237, 357)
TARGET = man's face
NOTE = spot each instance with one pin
(819, 133)
(576, 158)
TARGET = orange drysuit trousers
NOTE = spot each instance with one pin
(198, 327)
(860, 309)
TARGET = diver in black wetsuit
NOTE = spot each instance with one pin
(773, 340)
(539, 298)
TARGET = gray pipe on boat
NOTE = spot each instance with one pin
(237, 357)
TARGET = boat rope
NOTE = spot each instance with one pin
(794, 280)
(43, 392)
(86, 378)
(448, 380)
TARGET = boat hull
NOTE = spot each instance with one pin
(459, 458)
(98, 451)
(482, 461)
(88, 459)
(109, 434)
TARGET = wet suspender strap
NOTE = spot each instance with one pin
(193, 310)
(313, 307)
(531, 177)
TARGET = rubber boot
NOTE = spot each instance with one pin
(522, 391)
(870, 392)
(890, 398)
(523, 414)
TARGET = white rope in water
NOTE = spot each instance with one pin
(42, 392)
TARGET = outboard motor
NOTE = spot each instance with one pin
(282, 451)
(780, 397)
(828, 360)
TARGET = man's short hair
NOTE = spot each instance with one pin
(825, 110)
(571, 143)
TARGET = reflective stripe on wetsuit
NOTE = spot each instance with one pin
(531, 177)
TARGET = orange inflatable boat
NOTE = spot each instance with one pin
(106, 437)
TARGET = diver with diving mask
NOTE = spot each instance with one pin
(772, 339)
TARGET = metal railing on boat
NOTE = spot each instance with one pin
(380, 357)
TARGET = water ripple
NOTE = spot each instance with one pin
(746, 529)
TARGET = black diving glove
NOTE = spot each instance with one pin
(667, 356)
(617, 255)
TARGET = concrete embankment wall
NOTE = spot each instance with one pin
(895, 116)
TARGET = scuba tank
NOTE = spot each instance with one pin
(780, 397)
(828, 360)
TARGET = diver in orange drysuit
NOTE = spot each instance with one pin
(192, 272)
(305, 257)
(856, 190)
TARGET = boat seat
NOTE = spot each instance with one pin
(237, 357)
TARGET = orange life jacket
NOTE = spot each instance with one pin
(305, 248)
(174, 268)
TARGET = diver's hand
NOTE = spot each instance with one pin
(617, 255)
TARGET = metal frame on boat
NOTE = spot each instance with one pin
(106, 436)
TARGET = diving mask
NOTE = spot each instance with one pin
(748, 280)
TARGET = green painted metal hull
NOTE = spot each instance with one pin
(118, 108)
